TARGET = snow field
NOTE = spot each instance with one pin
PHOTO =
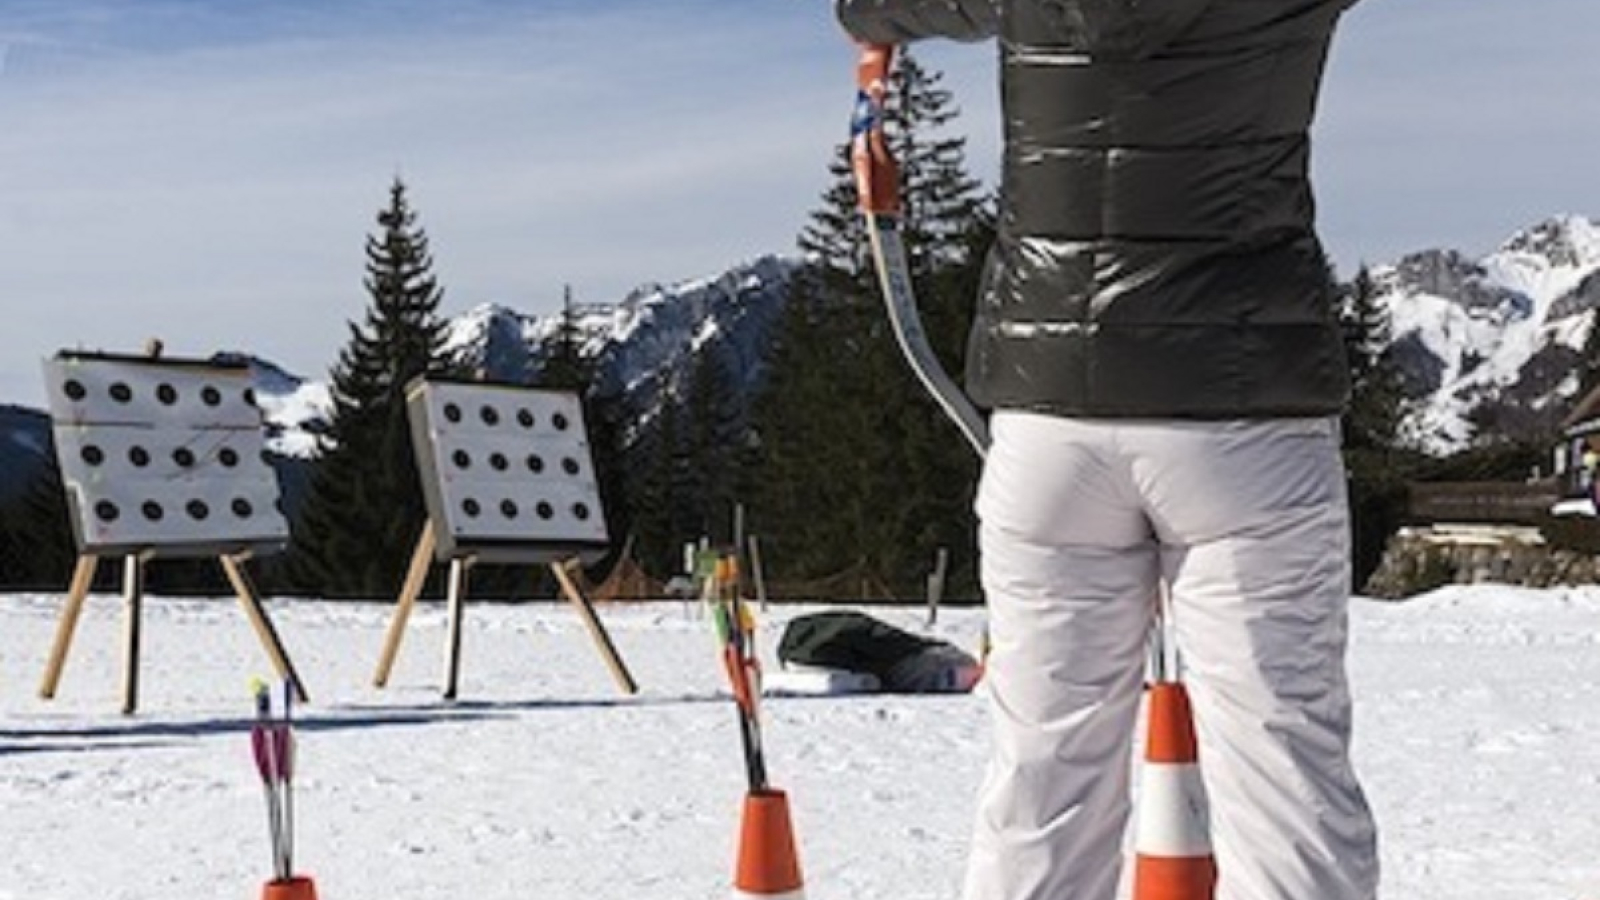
(1476, 740)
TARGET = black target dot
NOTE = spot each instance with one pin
(210, 396)
(75, 390)
(461, 458)
(535, 463)
(471, 508)
(121, 392)
(242, 508)
(452, 412)
(581, 511)
(559, 420)
(107, 511)
(525, 418)
(499, 462)
(152, 511)
(489, 415)
(569, 465)
(167, 394)
(93, 455)
(184, 457)
(228, 457)
(545, 510)
(249, 396)
(508, 509)
(198, 510)
(139, 456)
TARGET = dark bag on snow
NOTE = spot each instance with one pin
(856, 642)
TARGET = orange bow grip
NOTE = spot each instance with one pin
(872, 69)
(877, 174)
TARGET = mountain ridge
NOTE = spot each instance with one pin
(1487, 345)
(1492, 344)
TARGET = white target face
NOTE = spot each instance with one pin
(162, 455)
(507, 470)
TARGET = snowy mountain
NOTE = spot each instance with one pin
(295, 411)
(645, 347)
(1490, 346)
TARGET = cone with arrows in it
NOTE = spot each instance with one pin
(272, 743)
(768, 866)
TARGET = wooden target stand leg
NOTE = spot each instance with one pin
(457, 599)
(417, 573)
(133, 617)
(82, 579)
(597, 630)
(250, 601)
(132, 624)
(133, 599)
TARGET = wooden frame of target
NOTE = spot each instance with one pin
(161, 457)
(508, 478)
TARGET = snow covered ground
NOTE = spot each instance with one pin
(1478, 734)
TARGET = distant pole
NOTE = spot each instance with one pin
(690, 607)
(738, 526)
(757, 573)
(936, 584)
(739, 545)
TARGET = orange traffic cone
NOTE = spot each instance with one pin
(768, 867)
(296, 888)
(1173, 846)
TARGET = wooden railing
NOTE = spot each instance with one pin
(1508, 502)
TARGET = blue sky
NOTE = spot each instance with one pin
(208, 171)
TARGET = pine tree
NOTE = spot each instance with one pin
(859, 470)
(1377, 458)
(1377, 403)
(940, 198)
(364, 510)
(715, 442)
(564, 366)
(649, 490)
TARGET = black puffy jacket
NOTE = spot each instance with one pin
(1156, 254)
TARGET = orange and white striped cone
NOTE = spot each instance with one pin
(769, 868)
(1173, 846)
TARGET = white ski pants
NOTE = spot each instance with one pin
(1247, 521)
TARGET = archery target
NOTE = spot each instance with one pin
(164, 455)
(505, 469)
